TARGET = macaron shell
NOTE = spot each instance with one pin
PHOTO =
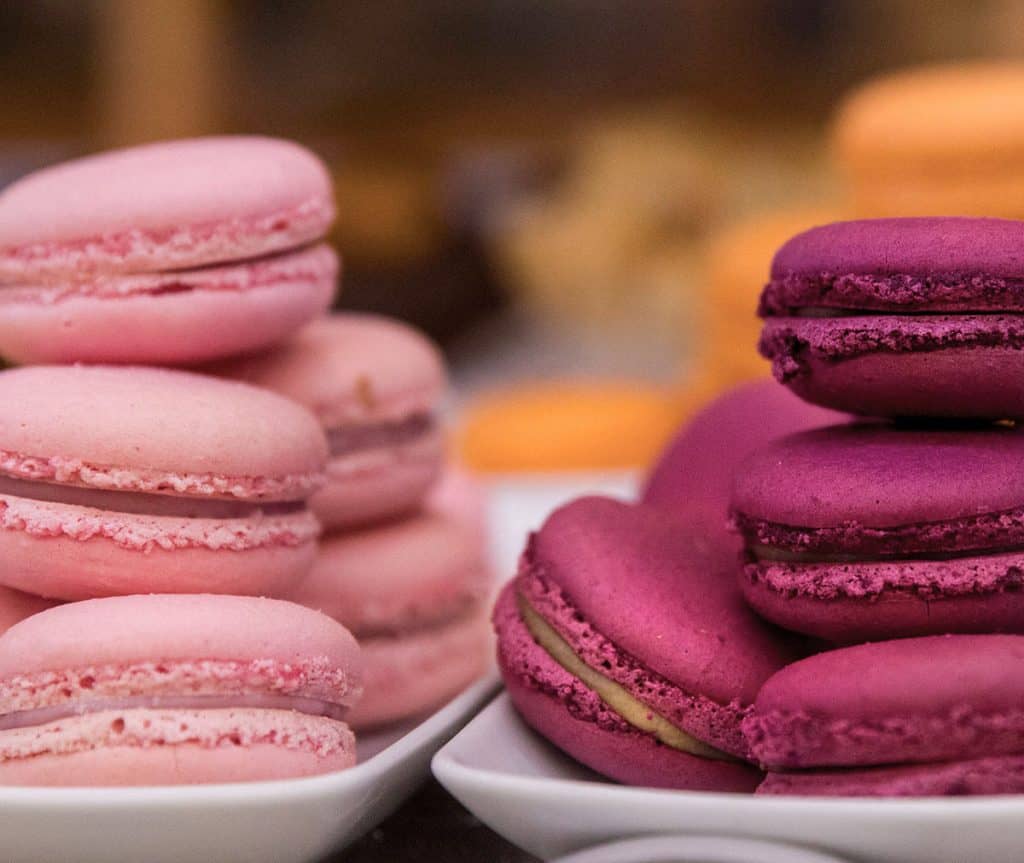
(128, 629)
(410, 674)
(426, 570)
(61, 567)
(159, 430)
(168, 747)
(350, 368)
(16, 605)
(186, 764)
(379, 484)
(852, 603)
(958, 382)
(206, 315)
(613, 749)
(163, 206)
(999, 775)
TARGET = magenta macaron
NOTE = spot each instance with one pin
(168, 690)
(15, 606)
(624, 641)
(901, 317)
(171, 253)
(376, 386)
(940, 715)
(415, 593)
(117, 480)
(871, 531)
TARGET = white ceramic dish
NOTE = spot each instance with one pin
(292, 821)
(696, 849)
(539, 799)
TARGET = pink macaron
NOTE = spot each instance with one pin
(415, 593)
(171, 253)
(117, 480)
(170, 690)
(375, 384)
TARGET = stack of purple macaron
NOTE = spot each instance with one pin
(159, 527)
(865, 638)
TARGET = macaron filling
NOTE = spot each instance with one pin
(250, 701)
(617, 697)
(344, 440)
(293, 267)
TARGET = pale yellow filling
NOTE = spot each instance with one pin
(635, 712)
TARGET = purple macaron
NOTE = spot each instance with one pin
(901, 317)
(624, 642)
(869, 531)
(942, 715)
(696, 468)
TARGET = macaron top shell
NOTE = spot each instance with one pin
(699, 463)
(657, 594)
(901, 264)
(124, 630)
(881, 476)
(156, 431)
(164, 206)
(351, 367)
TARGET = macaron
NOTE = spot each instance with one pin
(171, 690)
(697, 466)
(376, 386)
(624, 642)
(901, 317)
(935, 140)
(15, 606)
(172, 253)
(912, 717)
(118, 480)
(415, 594)
(871, 531)
(568, 425)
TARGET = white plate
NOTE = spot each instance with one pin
(694, 848)
(291, 821)
(541, 800)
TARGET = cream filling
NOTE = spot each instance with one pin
(779, 555)
(631, 709)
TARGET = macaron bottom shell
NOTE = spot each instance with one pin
(174, 323)
(857, 602)
(60, 567)
(994, 775)
(366, 487)
(573, 717)
(892, 367)
(407, 675)
(161, 747)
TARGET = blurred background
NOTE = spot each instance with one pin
(574, 191)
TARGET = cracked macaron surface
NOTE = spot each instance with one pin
(181, 483)
(163, 689)
(170, 253)
(623, 641)
(871, 531)
(910, 316)
(932, 715)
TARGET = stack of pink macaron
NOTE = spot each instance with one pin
(860, 630)
(159, 527)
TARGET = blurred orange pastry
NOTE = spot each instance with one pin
(938, 140)
(737, 261)
(569, 425)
